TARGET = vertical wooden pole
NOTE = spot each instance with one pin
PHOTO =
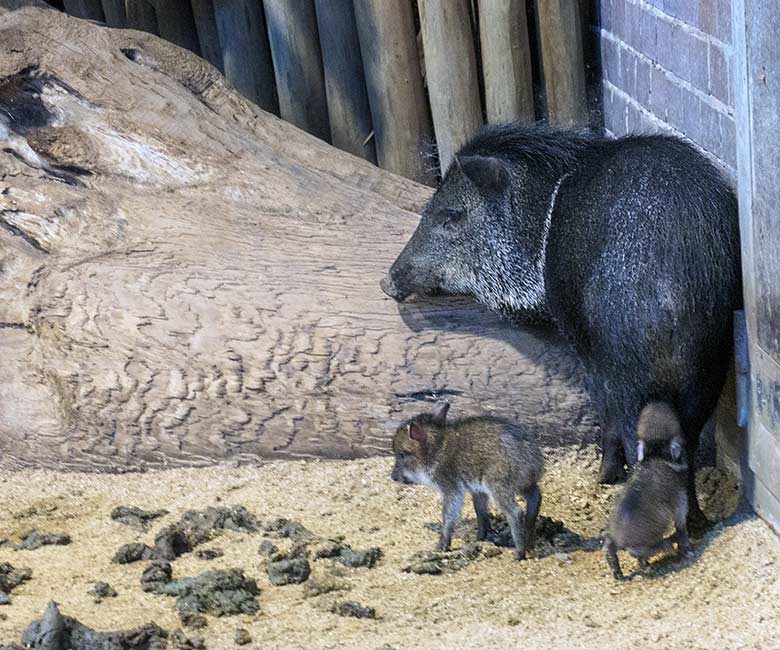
(176, 23)
(295, 48)
(206, 24)
(560, 33)
(141, 15)
(246, 55)
(506, 60)
(89, 9)
(345, 86)
(399, 111)
(451, 73)
(114, 11)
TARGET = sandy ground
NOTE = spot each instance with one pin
(729, 597)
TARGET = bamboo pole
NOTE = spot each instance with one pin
(451, 73)
(560, 32)
(345, 85)
(206, 24)
(506, 60)
(176, 23)
(89, 9)
(295, 49)
(399, 111)
(141, 15)
(246, 54)
(114, 11)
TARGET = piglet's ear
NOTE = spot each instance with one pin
(675, 448)
(440, 413)
(640, 451)
(418, 433)
(488, 173)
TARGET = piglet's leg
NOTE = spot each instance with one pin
(480, 500)
(508, 504)
(610, 550)
(533, 500)
(451, 504)
(681, 527)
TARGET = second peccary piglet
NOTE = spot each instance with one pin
(489, 457)
(655, 496)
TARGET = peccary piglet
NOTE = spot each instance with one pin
(489, 457)
(655, 496)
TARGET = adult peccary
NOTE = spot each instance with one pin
(629, 246)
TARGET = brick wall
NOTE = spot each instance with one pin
(666, 66)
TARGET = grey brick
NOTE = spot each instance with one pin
(728, 146)
(707, 19)
(610, 60)
(724, 21)
(688, 58)
(607, 9)
(720, 73)
(664, 51)
(614, 112)
(643, 82)
(684, 10)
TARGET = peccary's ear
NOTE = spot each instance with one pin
(640, 451)
(676, 448)
(440, 413)
(417, 432)
(488, 173)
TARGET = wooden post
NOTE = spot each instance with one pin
(114, 11)
(176, 23)
(141, 15)
(295, 48)
(399, 111)
(206, 24)
(451, 73)
(345, 86)
(246, 54)
(560, 35)
(506, 60)
(90, 9)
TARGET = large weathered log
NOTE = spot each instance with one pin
(185, 278)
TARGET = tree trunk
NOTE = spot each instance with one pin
(185, 278)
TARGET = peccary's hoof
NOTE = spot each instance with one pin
(611, 473)
(520, 555)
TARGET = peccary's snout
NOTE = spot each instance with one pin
(391, 288)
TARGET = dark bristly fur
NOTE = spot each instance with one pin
(630, 247)
(489, 457)
(655, 497)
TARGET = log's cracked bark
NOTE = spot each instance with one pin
(185, 278)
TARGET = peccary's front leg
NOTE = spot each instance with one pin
(613, 457)
(610, 550)
(681, 527)
(451, 504)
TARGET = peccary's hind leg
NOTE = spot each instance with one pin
(513, 512)
(533, 499)
(681, 527)
(480, 500)
(610, 550)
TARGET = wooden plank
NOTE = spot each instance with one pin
(90, 9)
(246, 54)
(176, 23)
(206, 24)
(115, 13)
(345, 86)
(295, 48)
(141, 15)
(563, 68)
(451, 73)
(399, 111)
(506, 61)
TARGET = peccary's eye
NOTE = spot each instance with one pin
(453, 215)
